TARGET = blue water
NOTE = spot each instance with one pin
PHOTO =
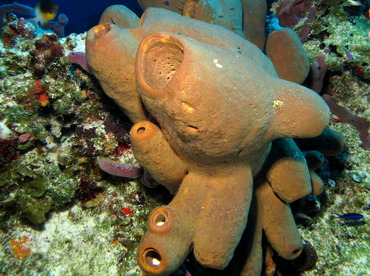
(84, 15)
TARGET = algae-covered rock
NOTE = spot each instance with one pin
(36, 187)
(33, 209)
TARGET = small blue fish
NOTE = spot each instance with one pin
(351, 216)
(348, 54)
(296, 17)
(167, 3)
(220, 16)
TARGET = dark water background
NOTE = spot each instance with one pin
(84, 14)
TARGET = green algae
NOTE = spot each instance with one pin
(38, 187)
(33, 209)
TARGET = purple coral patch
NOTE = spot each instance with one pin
(119, 169)
(79, 58)
(361, 124)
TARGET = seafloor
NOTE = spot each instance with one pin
(61, 215)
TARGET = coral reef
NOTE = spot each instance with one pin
(55, 129)
(49, 162)
(16, 28)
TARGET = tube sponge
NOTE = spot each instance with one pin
(155, 154)
(286, 52)
(278, 223)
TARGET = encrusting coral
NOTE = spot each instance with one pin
(221, 116)
(47, 50)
